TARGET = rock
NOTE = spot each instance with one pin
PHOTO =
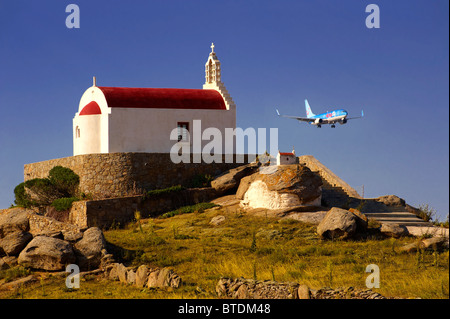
(13, 243)
(409, 248)
(8, 262)
(72, 236)
(3, 265)
(276, 187)
(141, 276)
(14, 219)
(53, 234)
(242, 288)
(393, 230)
(47, 253)
(164, 277)
(304, 292)
(22, 282)
(217, 220)
(131, 277)
(337, 223)
(361, 221)
(118, 272)
(434, 243)
(230, 179)
(89, 249)
(391, 200)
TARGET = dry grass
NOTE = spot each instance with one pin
(282, 250)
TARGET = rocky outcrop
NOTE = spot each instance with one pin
(229, 180)
(13, 243)
(393, 230)
(89, 249)
(47, 253)
(46, 244)
(339, 223)
(216, 220)
(391, 200)
(241, 288)
(144, 276)
(14, 219)
(276, 187)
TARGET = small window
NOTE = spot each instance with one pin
(183, 131)
(77, 132)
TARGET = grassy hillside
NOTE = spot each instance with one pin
(253, 247)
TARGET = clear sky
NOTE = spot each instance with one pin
(273, 54)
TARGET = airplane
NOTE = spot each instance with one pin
(333, 117)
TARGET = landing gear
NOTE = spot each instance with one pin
(333, 126)
(319, 126)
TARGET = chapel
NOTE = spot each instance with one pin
(123, 119)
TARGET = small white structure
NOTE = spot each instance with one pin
(120, 119)
(287, 158)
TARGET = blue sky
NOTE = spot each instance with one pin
(273, 54)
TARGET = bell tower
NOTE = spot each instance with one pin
(213, 78)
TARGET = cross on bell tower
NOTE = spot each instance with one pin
(212, 68)
(213, 78)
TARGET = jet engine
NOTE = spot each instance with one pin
(343, 121)
(318, 121)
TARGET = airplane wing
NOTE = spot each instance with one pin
(298, 118)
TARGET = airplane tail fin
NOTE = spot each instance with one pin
(309, 113)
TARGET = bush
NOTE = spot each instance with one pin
(167, 190)
(201, 180)
(200, 208)
(64, 180)
(65, 203)
(41, 192)
(427, 213)
(21, 198)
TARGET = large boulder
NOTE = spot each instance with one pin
(393, 230)
(14, 219)
(13, 243)
(391, 200)
(89, 249)
(230, 179)
(339, 223)
(47, 253)
(276, 187)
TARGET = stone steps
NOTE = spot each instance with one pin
(401, 218)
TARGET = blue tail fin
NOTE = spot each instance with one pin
(309, 113)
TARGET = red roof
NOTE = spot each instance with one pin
(286, 154)
(163, 98)
(90, 109)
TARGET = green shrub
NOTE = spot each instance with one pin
(21, 198)
(200, 207)
(65, 203)
(427, 213)
(201, 180)
(42, 191)
(168, 190)
(64, 180)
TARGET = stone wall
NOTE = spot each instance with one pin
(125, 174)
(119, 211)
(314, 165)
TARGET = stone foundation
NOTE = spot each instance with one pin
(120, 211)
(126, 174)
